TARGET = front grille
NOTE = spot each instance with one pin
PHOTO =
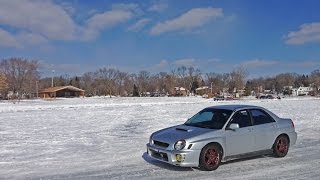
(159, 155)
(161, 144)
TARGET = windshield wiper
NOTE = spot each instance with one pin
(198, 125)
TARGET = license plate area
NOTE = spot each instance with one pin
(158, 155)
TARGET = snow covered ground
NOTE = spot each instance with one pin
(104, 138)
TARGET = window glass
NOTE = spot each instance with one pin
(242, 118)
(202, 117)
(210, 118)
(260, 117)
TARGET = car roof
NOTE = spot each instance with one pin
(233, 107)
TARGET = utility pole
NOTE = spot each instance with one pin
(52, 78)
(37, 89)
(211, 88)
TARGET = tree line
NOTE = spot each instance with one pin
(21, 77)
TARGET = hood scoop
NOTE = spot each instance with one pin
(181, 129)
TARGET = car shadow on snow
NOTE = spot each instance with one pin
(255, 157)
(164, 165)
(177, 168)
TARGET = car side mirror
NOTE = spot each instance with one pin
(234, 126)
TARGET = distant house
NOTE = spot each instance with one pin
(302, 91)
(204, 90)
(240, 93)
(180, 91)
(267, 91)
(12, 94)
(61, 91)
(145, 94)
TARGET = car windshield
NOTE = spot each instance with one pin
(210, 118)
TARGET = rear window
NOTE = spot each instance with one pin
(260, 117)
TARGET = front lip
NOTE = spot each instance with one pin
(168, 156)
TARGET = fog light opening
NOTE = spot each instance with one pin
(179, 158)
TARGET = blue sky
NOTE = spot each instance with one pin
(76, 36)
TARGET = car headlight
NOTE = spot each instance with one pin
(180, 145)
(150, 140)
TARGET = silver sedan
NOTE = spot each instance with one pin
(221, 133)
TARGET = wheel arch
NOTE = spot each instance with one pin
(282, 134)
(286, 135)
(218, 144)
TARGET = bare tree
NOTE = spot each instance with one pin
(182, 74)
(194, 76)
(130, 85)
(3, 86)
(120, 83)
(88, 83)
(302, 80)
(143, 80)
(114, 82)
(217, 82)
(282, 80)
(315, 79)
(166, 82)
(21, 75)
(237, 79)
(106, 78)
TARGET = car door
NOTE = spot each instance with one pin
(241, 140)
(264, 129)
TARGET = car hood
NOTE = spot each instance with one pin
(181, 132)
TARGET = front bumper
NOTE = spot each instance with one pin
(190, 158)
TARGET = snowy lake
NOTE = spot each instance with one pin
(105, 138)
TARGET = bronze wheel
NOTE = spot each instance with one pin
(210, 157)
(281, 146)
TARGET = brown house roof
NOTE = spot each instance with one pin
(59, 88)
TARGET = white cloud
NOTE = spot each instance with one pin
(159, 67)
(127, 7)
(92, 12)
(305, 64)
(8, 40)
(108, 19)
(102, 21)
(158, 7)
(64, 68)
(119, 13)
(214, 60)
(230, 18)
(41, 17)
(162, 64)
(31, 39)
(31, 22)
(257, 63)
(185, 62)
(21, 39)
(139, 24)
(68, 7)
(194, 18)
(306, 34)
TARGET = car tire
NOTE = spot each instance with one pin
(281, 146)
(210, 157)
